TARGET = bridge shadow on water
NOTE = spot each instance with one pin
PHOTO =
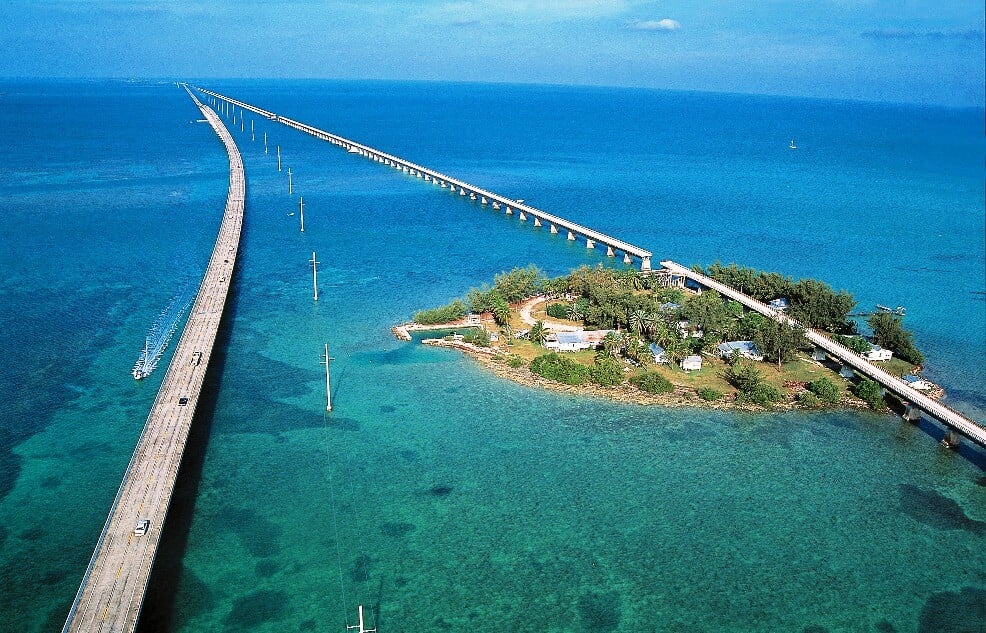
(158, 614)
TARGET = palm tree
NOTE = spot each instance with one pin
(575, 312)
(538, 333)
(638, 321)
(612, 343)
(508, 333)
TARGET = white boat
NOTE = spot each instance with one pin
(792, 145)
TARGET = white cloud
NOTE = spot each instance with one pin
(666, 24)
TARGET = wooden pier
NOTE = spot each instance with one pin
(952, 419)
(523, 211)
(113, 587)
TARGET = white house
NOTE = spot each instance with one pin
(575, 341)
(916, 382)
(660, 356)
(689, 330)
(875, 352)
(691, 363)
(746, 349)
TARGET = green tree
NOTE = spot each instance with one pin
(638, 321)
(744, 376)
(855, 343)
(538, 333)
(520, 283)
(636, 349)
(499, 308)
(606, 372)
(445, 314)
(610, 346)
(652, 382)
(779, 342)
(576, 311)
(889, 332)
(826, 390)
(870, 392)
(556, 367)
(558, 310)
(708, 312)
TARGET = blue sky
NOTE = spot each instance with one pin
(920, 51)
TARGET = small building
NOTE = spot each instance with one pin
(575, 341)
(691, 363)
(917, 382)
(780, 304)
(670, 306)
(688, 330)
(660, 355)
(875, 352)
(746, 349)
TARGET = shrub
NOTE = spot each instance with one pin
(743, 376)
(555, 367)
(450, 312)
(652, 382)
(606, 372)
(762, 394)
(558, 310)
(709, 394)
(808, 400)
(825, 390)
(480, 337)
(870, 392)
(515, 361)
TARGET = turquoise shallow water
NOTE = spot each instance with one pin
(436, 494)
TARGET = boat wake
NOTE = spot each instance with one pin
(161, 332)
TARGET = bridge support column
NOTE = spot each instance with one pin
(483, 200)
(420, 175)
(818, 354)
(911, 412)
(523, 216)
(952, 439)
(554, 229)
(590, 243)
(609, 252)
(537, 221)
(645, 263)
(510, 211)
(444, 185)
(846, 372)
(462, 191)
(571, 236)
(496, 205)
(627, 259)
(472, 196)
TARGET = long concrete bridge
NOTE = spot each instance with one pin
(913, 399)
(523, 211)
(113, 587)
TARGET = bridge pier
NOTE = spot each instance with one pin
(645, 263)
(523, 217)
(444, 185)
(510, 211)
(496, 205)
(472, 196)
(483, 200)
(911, 412)
(590, 243)
(818, 354)
(609, 252)
(952, 439)
(846, 372)
(462, 192)
(627, 259)
(571, 236)
(537, 221)
(554, 229)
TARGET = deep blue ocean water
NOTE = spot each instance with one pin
(439, 496)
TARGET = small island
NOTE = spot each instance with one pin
(627, 335)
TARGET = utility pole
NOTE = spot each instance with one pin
(265, 143)
(278, 158)
(328, 389)
(290, 187)
(314, 264)
(301, 205)
(253, 137)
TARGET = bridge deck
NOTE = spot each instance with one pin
(946, 415)
(368, 151)
(112, 590)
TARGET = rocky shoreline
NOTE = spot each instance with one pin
(492, 359)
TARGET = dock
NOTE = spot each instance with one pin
(114, 584)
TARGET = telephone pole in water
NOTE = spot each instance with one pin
(328, 388)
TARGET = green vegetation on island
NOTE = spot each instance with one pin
(643, 331)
